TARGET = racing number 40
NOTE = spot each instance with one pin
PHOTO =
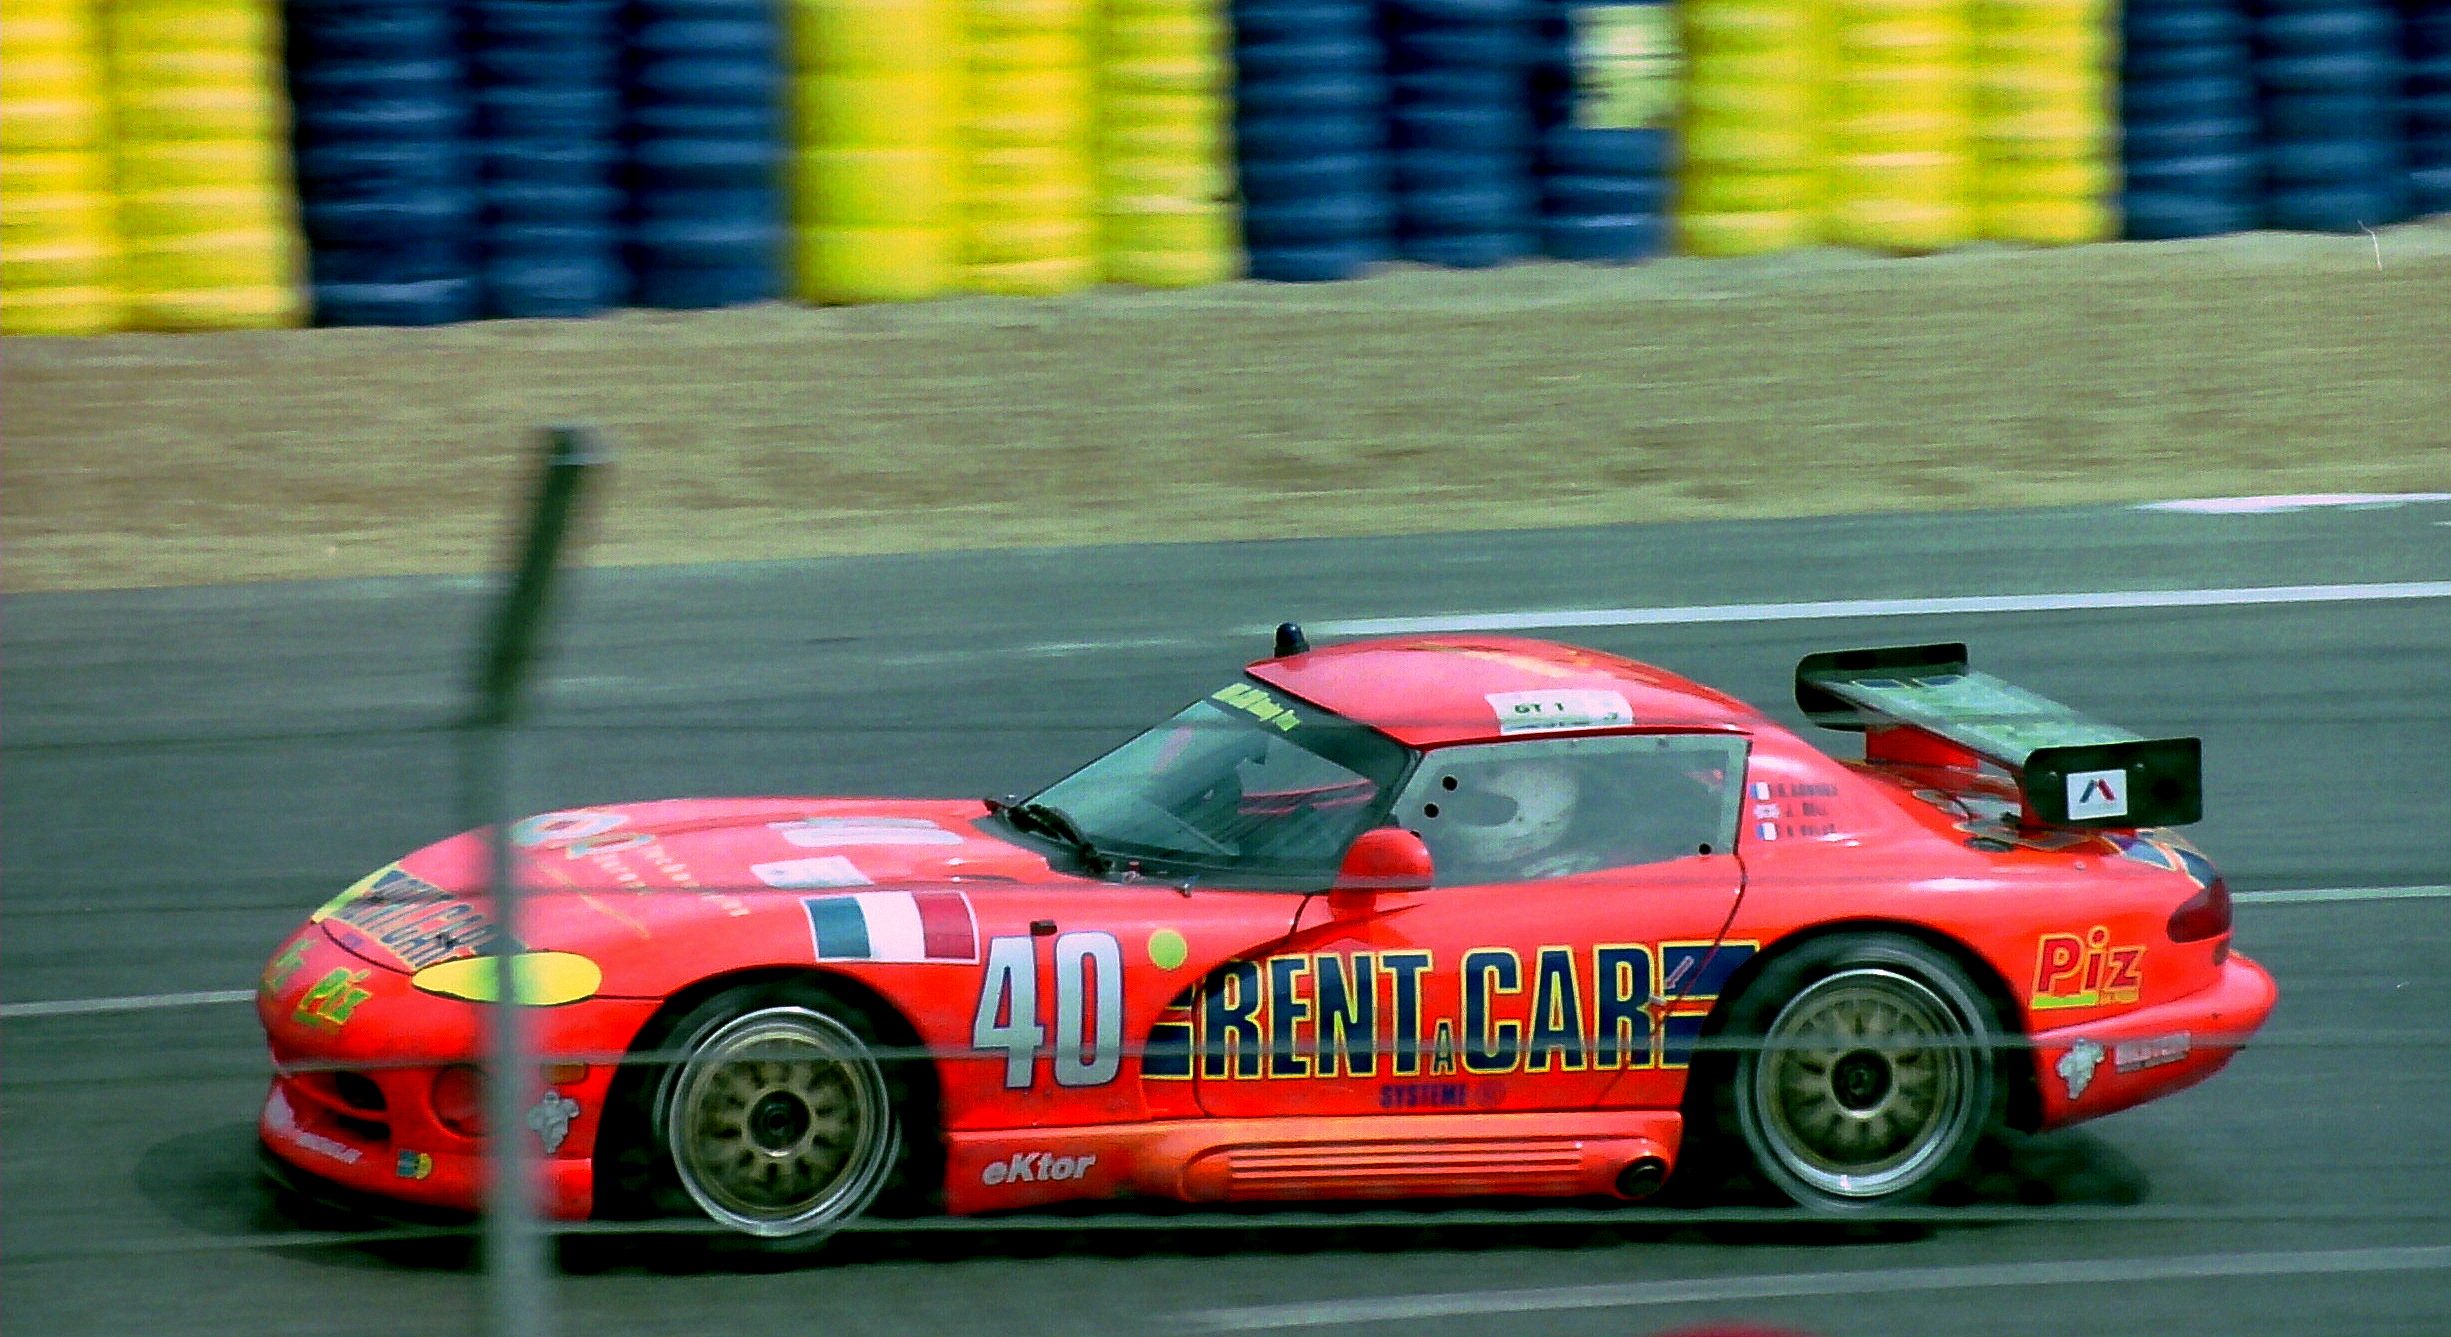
(1088, 1048)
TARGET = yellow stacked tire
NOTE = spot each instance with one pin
(1748, 183)
(207, 207)
(1027, 201)
(2044, 100)
(1898, 118)
(1163, 160)
(59, 248)
(873, 209)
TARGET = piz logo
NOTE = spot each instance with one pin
(2086, 970)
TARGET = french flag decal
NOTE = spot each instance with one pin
(893, 926)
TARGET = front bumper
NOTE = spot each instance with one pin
(352, 1099)
(2103, 1066)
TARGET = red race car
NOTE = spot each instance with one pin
(1429, 917)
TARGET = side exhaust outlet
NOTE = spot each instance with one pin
(1642, 1177)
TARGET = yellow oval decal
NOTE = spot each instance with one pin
(543, 979)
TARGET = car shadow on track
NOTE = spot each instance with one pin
(208, 1182)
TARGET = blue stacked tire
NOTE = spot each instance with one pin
(546, 75)
(703, 90)
(387, 192)
(1310, 128)
(1461, 126)
(2192, 143)
(2329, 74)
(2426, 108)
(1603, 88)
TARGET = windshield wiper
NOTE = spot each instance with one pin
(1054, 821)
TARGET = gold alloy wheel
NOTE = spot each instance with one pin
(1866, 1079)
(778, 1123)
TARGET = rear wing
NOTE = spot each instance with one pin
(1920, 703)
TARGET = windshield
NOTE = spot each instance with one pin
(1250, 783)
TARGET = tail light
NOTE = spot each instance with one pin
(2204, 915)
(459, 1100)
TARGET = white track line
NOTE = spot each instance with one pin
(1815, 1285)
(86, 1007)
(1867, 608)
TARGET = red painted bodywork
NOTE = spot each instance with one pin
(665, 898)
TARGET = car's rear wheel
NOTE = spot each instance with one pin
(775, 1118)
(1864, 1072)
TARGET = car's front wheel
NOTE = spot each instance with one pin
(775, 1118)
(1864, 1072)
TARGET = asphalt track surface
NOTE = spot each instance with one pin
(188, 771)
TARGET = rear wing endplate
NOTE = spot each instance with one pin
(2072, 771)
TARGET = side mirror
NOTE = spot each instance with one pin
(1387, 858)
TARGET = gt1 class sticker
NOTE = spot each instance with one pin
(1167, 949)
(1030, 1167)
(813, 833)
(1604, 1008)
(1258, 704)
(832, 870)
(2076, 1067)
(2097, 794)
(1565, 708)
(1088, 1040)
(2086, 970)
(2161, 1050)
(550, 1120)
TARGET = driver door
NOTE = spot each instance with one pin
(1574, 978)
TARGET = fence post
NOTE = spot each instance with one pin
(516, 1298)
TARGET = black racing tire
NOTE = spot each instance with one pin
(765, 1110)
(1861, 1073)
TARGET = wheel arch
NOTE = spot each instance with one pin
(2024, 1110)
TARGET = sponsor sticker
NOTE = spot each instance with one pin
(810, 833)
(2086, 970)
(2076, 1067)
(1567, 708)
(832, 870)
(2159, 1051)
(2097, 794)
(550, 1120)
(283, 1121)
(1033, 1167)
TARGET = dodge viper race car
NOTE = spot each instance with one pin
(1430, 917)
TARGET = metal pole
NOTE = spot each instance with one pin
(516, 1299)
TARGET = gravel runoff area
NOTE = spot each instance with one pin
(1817, 382)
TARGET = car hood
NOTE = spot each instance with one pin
(615, 883)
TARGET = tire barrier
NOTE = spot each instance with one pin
(386, 170)
(1462, 131)
(2042, 127)
(2335, 152)
(198, 82)
(2426, 108)
(874, 149)
(703, 95)
(546, 80)
(1604, 92)
(59, 240)
(1311, 138)
(1160, 143)
(1899, 125)
(1027, 203)
(1751, 178)
(2194, 156)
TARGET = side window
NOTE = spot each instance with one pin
(1543, 808)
